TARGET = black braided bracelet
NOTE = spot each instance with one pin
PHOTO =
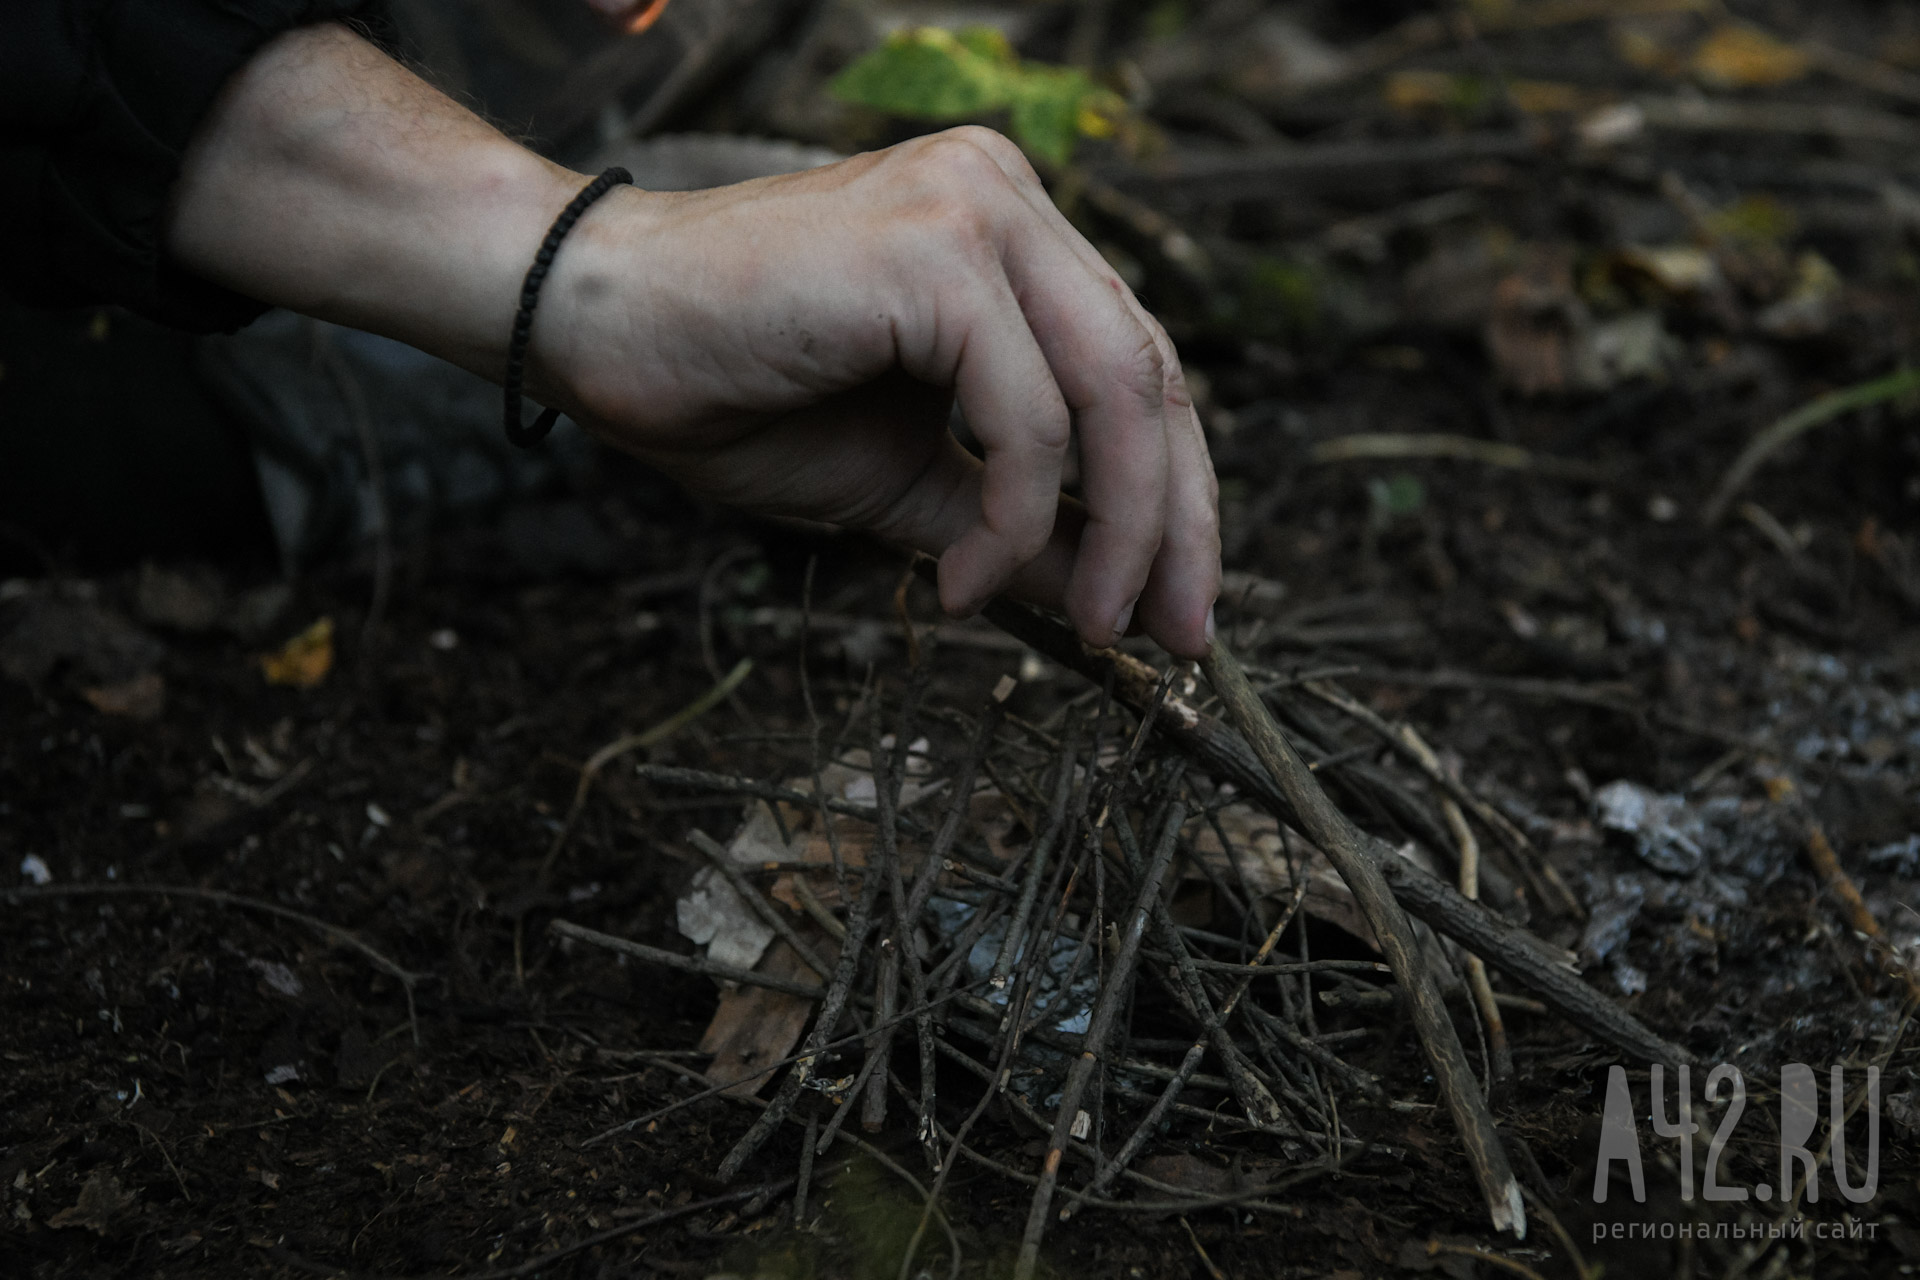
(524, 436)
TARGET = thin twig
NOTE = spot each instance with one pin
(355, 396)
(1903, 382)
(1344, 846)
(720, 1090)
(1221, 751)
(859, 921)
(1105, 1012)
(600, 759)
(1860, 917)
(1428, 444)
(957, 805)
(1011, 945)
(686, 964)
(718, 857)
(709, 586)
(727, 784)
(1412, 748)
(1254, 1097)
(1150, 1123)
(805, 1175)
(1500, 1071)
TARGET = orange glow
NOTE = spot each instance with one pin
(646, 17)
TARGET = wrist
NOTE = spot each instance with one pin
(590, 308)
(330, 180)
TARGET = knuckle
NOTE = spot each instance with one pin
(961, 158)
(950, 221)
(1028, 541)
(1143, 370)
(1052, 431)
(996, 146)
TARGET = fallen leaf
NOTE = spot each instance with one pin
(142, 698)
(1414, 91)
(102, 1200)
(1808, 310)
(1259, 866)
(1548, 97)
(1615, 123)
(754, 1028)
(1736, 56)
(1621, 349)
(1650, 44)
(1532, 325)
(1190, 1173)
(303, 661)
(934, 74)
(1757, 220)
(1677, 269)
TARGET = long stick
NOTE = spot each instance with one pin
(1225, 754)
(1345, 848)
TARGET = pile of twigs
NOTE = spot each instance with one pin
(1113, 801)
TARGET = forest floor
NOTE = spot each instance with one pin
(280, 991)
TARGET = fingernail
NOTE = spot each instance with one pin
(1209, 624)
(1126, 616)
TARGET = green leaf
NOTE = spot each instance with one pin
(1046, 111)
(987, 42)
(930, 73)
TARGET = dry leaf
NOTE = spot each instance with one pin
(1189, 1173)
(1548, 97)
(303, 661)
(1259, 867)
(1651, 44)
(754, 1028)
(1735, 56)
(1808, 310)
(1613, 124)
(1533, 323)
(102, 1200)
(1428, 91)
(1677, 269)
(142, 698)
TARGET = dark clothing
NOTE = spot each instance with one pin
(98, 99)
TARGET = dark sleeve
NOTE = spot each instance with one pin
(97, 101)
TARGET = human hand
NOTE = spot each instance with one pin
(792, 346)
(788, 345)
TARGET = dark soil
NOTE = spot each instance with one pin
(195, 1087)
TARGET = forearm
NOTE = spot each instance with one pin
(788, 345)
(331, 180)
